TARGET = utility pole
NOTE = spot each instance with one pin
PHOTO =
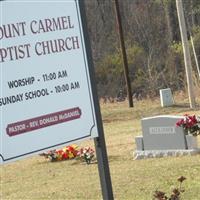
(186, 52)
(195, 55)
(123, 50)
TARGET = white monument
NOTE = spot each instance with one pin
(166, 97)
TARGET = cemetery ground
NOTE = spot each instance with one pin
(38, 178)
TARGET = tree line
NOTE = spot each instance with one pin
(153, 45)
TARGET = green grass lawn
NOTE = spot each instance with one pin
(37, 178)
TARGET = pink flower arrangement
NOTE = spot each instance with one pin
(190, 124)
(86, 154)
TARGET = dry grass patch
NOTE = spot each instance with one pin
(37, 178)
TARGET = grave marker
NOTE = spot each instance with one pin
(161, 133)
(166, 97)
(161, 137)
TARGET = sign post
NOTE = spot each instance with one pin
(48, 95)
(99, 141)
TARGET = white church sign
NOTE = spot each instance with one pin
(45, 89)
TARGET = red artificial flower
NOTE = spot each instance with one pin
(180, 122)
(65, 156)
(70, 148)
(60, 152)
(193, 119)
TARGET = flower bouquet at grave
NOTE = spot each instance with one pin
(66, 153)
(190, 124)
(86, 154)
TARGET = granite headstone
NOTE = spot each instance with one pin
(161, 133)
(161, 137)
